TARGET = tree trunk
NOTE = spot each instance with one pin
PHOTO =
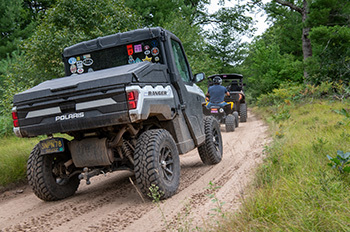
(307, 48)
(306, 43)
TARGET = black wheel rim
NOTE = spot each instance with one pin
(57, 169)
(166, 163)
(216, 140)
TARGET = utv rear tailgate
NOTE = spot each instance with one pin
(74, 103)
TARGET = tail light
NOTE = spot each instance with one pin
(15, 117)
(132, 96)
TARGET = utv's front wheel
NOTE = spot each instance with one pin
(157, 162)
(211, 150)
(230, 123)
(47, 177)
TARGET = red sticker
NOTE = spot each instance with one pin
(130, 49)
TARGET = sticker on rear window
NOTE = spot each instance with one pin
(73, 68)
(72, 60)
(155, 51)
(130, 49)
(138, 48)
(88, 61)
(149, 59)
(154, 43)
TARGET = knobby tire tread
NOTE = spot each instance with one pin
(243, 112)
(44, 189)
(146, 173)
(230, 123)
(207, 151)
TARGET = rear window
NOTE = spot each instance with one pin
(143, 51)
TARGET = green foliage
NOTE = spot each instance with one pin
(294, 189)
(331, 54)
(158, 13)
(156, 195)
(290, 92)
(10, 20)
(67, 24)
(192, 39)
(344, 113)
(328, 21)
(63, 25)
(340, 162)
(266, 68)
(329, 13)
(285, 30)
(18, 19)
(14, 154)
(6, 125)
(218, 204)
(225, 45)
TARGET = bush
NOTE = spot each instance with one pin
(284, 94)
(5, 125)
(289, 93)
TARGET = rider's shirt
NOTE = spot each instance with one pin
(217, 93)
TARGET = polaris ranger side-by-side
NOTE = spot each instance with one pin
(130, 102)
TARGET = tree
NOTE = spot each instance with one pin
(225, 46)
(331, 60)
(159, 12)
(10, 18)
(313, 14)
(302, 7)
(18, 19)
(63, 25)
(266, 68)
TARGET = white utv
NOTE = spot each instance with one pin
(129, 101)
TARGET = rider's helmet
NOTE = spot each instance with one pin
(217, 80)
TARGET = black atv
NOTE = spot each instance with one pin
(224, 114)
(234, 84)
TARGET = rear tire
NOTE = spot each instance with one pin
(230, 123)
(47, 185)
(157, 162)
(210, 151)
(235, 114)
(243, 112)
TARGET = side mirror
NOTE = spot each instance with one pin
(199, 77)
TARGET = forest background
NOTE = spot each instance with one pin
(308, 42)
(297, 73)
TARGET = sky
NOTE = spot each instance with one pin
(260, 17)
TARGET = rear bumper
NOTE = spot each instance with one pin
(74, 124)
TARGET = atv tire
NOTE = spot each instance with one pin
(235, 114)
(47, 185)
(230, 123)
(243, 112)
(210, 151)
(157, 162)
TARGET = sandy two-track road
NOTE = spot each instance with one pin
(112, 204)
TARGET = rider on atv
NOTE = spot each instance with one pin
(217, 93)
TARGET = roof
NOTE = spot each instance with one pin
(230, 76)
(113, 40)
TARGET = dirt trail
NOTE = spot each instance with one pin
(112, 204)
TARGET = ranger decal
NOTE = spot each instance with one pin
(156, 93)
